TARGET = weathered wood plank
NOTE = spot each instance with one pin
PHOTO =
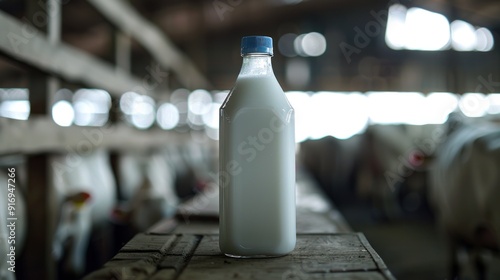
(137, 265)
(221, 267)
(209, 246)
(132, 256)
(313, 222)
(312, 244)
(185, 245)
(316, 256)
(299, 275)
(307, 245)
(164, 274)
(180, 254)
(130, 270)
(197, 227)
(41, 134)
(148, 242)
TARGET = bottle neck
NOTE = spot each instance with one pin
(256, 65)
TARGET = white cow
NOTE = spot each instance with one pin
(85, 191)
(393, 165)
(466, 188)
(147, 185)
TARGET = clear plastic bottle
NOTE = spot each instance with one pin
(257, 160)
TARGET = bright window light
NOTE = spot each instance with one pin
(397, 108)
(63, 113)
(300, 102)
(426, 31)
(143, 112)
(14, 103)
(463, 36)
(395, 35)
(473, 104)
(340, 115)
(310, 44)
(419, 29)
(126, 101)
(220, 96)
(439, 105)
(211, 118)
(15, 109)
(313, 44)
(91, 107)
(484, 40)
(494, 101)
(179, 98)
(199, 102)
(167, 116)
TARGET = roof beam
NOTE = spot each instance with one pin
(126, 18)
(26, 44)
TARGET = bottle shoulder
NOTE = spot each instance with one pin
(256, 91)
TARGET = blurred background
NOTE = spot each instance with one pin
(114, 104)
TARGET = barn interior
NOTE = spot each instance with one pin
(115, 104)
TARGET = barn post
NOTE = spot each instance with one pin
(38, 263)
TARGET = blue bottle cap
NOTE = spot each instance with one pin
(257, 44)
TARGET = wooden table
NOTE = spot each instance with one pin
(187, 247)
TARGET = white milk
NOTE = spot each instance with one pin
(257, 169)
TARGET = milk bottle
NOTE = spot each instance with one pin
(257, 160)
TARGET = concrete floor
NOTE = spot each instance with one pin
(412, 248)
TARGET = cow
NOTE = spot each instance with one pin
(85, 192)
(465, 193)
(392, 170)
(147, 188)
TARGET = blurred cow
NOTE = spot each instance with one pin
(153, 184)
(331, 162)
(147, 186)
(466, 190)
(85, 192)
(393, 165)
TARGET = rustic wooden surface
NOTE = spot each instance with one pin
(187, 248)
(188, 256)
